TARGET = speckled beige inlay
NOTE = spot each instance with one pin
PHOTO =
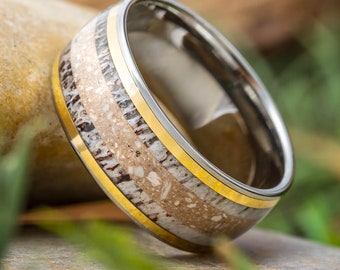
(131, 153)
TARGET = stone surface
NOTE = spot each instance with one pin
(31, 35)
(34, 249)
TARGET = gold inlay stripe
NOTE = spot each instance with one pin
(103, 180)
(160, 131)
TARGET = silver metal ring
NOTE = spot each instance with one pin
(172, 122)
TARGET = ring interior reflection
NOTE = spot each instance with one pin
(206, 93)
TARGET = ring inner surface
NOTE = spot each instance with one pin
(206, 93)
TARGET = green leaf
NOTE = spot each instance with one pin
(314, 220)
(14, 167)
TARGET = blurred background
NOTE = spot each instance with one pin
(294, 47)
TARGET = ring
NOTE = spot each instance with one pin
(172, 123)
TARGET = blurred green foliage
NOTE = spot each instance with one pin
(307, 89)
(14, 168)
(310, 208)
(305, 84)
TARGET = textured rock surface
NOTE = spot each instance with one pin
(34, 249)
(31, 35)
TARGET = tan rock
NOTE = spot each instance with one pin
(31, 35)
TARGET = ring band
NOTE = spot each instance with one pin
(172, 123)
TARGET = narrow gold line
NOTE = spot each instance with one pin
(163, 135)
(104, 181)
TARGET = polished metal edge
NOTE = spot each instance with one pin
(131, 85)
(140, 86)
